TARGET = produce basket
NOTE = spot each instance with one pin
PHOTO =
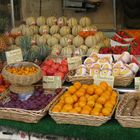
(118, 81)
(28, 116)
(78, 119)
(127, 121)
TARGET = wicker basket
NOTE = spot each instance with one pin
(127, 121)
(78, 119)
(28, 116)
(24, 80)
(118, 81)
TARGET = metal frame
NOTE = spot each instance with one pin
(12, 13)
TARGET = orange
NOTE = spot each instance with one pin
(107, 92)
(82, 98)
(91, 98)
(104, 84)
(72, 89)
(78, 109)
(108, 104)
(114, 94)
(106, 111)
(80, 93)
(95, 112)
(85, 111)
(90, 90)
(56, 109)
(98, 105)
(86, 107)
(73, 111)
(81, 103)
(98, 91)
(105, 96)
(66, 94)
(110, 88)
(91, 103)
(67, 107)
(77, 85)
(101, 114)
(76, 104)
(87, 96)
(103, 88)
(113, 102)
(94, 86)
(75, 98)
(101, 100)
(63, 110)
(69, 100)
(84, 86)
(95, 97)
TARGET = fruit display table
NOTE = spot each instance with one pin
(109, 131)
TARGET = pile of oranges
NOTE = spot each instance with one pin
(22, 70)
(87, 99)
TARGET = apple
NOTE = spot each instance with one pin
(63, 69)
(61, 74)
(55, 66)
(64, 62)
(44, 68)
(49, 62)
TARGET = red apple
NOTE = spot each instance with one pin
(49, 62)
(61, 74)
(64, 62)
(55, 66)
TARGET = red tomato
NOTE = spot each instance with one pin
(50, 72)
(55, 66)
(61, 74)
(44, 68)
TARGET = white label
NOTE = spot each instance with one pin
(52, 82)
(14, 56)
(137, 83)
(74, 62)
(108, 79)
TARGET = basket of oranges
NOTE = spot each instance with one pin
(83, 104)
(22, 75)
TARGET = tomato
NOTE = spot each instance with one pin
(44, 68)
(61, 74)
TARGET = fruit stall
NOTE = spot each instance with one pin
(65, 77)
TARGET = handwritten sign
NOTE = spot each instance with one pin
(52, 82)
(14, 56)
(74, 62)
(108, 79)
(137, 83)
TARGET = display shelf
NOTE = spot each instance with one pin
(109, 131)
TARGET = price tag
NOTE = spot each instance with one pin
(14, 56)
(108, 79)
(137, 83)
(74, 62)
(52, 82)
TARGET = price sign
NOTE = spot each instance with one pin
(52, 82)
(137, 83)
(108, 79)
(74, 62)
(14, 56)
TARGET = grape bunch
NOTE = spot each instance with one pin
(37, 101)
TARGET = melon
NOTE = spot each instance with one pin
(54, 29)
(64, 41)
(52, 41)
(41, 40)
(35, 29)
(40, 21)
(78, 41)
(84, 48)
(51, 21)
(65, 30)
(78, 52)
(67, 51)
(72, 22)
(62, 21)
(57, 35)
(90, 41)
(44, 29)
(76, 29)
(30, 21)
(85, 21)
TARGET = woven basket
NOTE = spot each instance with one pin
(127, 121)
(118, 81)
(28, 116)
(78, 119)
(24, 80)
